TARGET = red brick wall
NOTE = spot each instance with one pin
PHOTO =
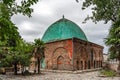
(83, 58)
(55, 50)
(73, 54)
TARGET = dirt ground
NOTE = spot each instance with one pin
(59, 76)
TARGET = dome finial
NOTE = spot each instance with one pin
(63, 16)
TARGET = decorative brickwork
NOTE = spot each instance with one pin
(73, 54)
(67, 48)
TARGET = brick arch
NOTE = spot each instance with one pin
(83, 52)
(79, 51)
(97, 58)
(100, 58)
(58, 50)
(92, 54)
(100, 54)
(97, 54)
(58, 53)
(60, 62)
(83, 60)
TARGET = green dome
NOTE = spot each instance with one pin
(63, 29)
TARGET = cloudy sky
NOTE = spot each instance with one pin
(47, 12)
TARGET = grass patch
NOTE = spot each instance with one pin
(108, 73)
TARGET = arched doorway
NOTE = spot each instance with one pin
(60, 63)
(60, 59)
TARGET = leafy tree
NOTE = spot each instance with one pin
(8, 31)
(23, 8)
(7, 9)
(26, 50)
(113, 41)
(9, 36)
(112, 56)
(112, 52)
(107, 10)
(39, 51)
(10, 39)
(20, 54)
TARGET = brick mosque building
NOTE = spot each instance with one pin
(67, 48)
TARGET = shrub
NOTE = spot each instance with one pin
(26, 72)
(108, 73)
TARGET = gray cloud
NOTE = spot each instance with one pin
(47, 12)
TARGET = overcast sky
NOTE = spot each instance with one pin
(47, 12)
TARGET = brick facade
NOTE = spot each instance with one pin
(73, 54)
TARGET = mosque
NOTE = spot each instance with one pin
(67, 48)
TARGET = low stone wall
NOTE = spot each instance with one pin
(113, 66)
(110, 65)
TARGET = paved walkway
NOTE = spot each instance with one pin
(59, 76)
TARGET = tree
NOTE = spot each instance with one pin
(10, 39)
(112, 52)
(25, 52)
(8, 30)
(7, 9)
(39, 51)
(23, 8)
(107, 10)
(20, 54)
(113, 41)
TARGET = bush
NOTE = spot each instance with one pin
(108, 73)
(26, 72)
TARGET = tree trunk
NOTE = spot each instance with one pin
(15, 68)
(22, 70)
(38, 65)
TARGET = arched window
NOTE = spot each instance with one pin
(99, 54)
(92, 55)
(94, 64)
(81, 65)
(89, 66)
(77, 63)
(85, 65)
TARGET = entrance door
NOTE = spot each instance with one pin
(60, 63)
